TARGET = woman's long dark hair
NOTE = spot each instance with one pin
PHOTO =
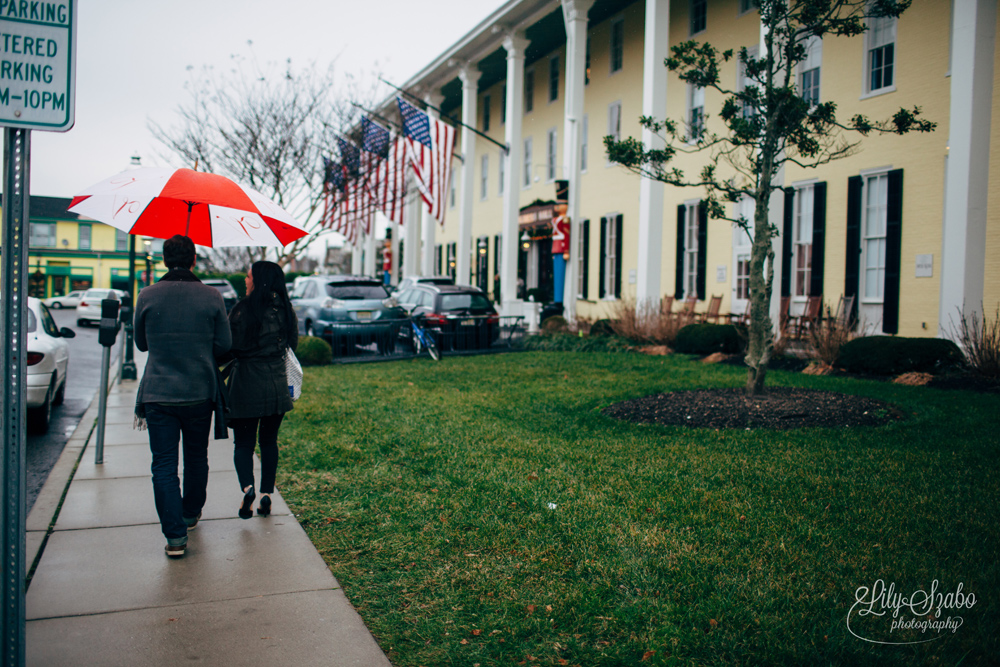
(268, 290)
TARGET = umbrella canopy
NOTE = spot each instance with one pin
(210, 209)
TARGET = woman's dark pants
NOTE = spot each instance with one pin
(245, 437)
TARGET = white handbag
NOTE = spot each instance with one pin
(293, 372)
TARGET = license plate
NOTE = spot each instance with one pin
(364, 315)
(468, 323)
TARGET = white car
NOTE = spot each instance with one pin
(89, 310)
(48, 359)
(71, 300)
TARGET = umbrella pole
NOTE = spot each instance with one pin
(187, 227)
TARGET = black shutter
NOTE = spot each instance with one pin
(787, 257)
(679, 267)
(852, 263)
(496, 267)
(702, 249)
(604, 244)
(618, 256)
(818, 240)
(585, 231)
(893, 247)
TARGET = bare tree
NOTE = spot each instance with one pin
(768, 124)
(268, 127)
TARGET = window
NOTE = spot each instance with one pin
(881, 39)
(586, 75)
(699, 15)
(582, 259)
(452, 250)
(438, 258)
(121, 240)
(42, 235)
(452, 204)
(743, 277)
(503, 105)
(747, 5)
(553, 78)
(873, 237)
(617, 43)
(550, 164)
(583, 144)
(691, 250)
(502, 170)
(743, 82)
(611, 229)
(529, 90)
(83, 236)
(809, 70)
(802, 237)
(742, 245)
(527, 162)
(696, 113)
(615, 120)
(484, 177)
(486, 113)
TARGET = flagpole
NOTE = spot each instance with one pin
(454, 120)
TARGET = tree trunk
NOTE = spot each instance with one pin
(761, 333)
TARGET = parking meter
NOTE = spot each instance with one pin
(108, 331)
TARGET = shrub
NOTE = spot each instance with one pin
(707, 338)
(554, 324)
(602, 328)
(827, 337)
(567, 342)
(981, 341)
(313, 351)
(894, 355)
(644, 325)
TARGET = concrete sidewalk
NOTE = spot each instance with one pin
(248, 592)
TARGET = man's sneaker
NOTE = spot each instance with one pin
(192, 521)
(175, 550)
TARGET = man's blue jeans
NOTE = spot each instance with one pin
(166, 423)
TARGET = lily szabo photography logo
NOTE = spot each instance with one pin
(884, 615)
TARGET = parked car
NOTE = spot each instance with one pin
(348, 311)
(71, 300)
(226, 289)
(459, 316)
(89, 310)
(407, 283)
(48, 361)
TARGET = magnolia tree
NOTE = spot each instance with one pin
(268, 127)
(765, 125)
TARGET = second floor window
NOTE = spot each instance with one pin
(809, 70)
(84, 237)
(527, 162)
(42, 235)
(696, 113)
(881, 53)
(553, 78)
(699, 15)
(617, 44)
(121, 240)
(485, 175)
(615, 120)
(486, 113)
(583, 144)
(501, 171)
(529, 91)
(550, 165)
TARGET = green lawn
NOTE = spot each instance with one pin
(427, 488)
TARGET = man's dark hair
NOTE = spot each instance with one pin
(178, 252)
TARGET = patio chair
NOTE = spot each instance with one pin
(843, 317)
(783, 321)
(686, 313)
(712, 314)
(801, 324)
(667, 305)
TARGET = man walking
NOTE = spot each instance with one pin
(182, 323)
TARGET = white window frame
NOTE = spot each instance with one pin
(81, 242)
(486, 113)
(610, 259)
(742, 246)
(484, 178)
(691, 16)
(553, 78)
(873, 235)
(527, 162)
(529, 90)
(616, 52)
(695, 101)
(121, 241)
(583, 143)
(691, 248)
(881, 33)
(812, 65)
(48, 240)
(803, 207)
(742, 82)
(502, 173)
(614, 124)
(551, 163)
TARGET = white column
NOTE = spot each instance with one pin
(429, 222)
(356, 266)
(963, 243)
(654, 103)
(369, 240)
(575, 20)
(470, 91)
(515, 44)
(394, 272)
(411, 225)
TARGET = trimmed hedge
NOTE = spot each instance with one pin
(313, 351)
(894, 355)
(566, 342)
(707, 338)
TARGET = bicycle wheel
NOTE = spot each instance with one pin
(432, 349)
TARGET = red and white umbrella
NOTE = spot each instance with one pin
(210, 209)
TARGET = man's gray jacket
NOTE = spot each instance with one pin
(182, 323)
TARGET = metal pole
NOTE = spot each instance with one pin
(14, 306)
(129, 371)
(102, 405)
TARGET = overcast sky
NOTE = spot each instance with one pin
(133, 58)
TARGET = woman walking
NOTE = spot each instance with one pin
(263, 325)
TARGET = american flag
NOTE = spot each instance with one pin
(430, 143)
(356, 209)
(386, 160)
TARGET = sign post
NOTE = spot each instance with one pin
(37, 92)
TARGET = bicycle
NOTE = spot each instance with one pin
(421, 338)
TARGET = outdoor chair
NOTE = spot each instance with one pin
(686, 313)
(667, 305)
(843, 317)
(712, 314)
(802, 324)
(783, 322)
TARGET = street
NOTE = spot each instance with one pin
(82, 380)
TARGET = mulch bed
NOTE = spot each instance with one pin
(779, 408)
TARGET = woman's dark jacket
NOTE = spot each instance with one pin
(257, 385)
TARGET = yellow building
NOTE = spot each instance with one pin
(67, 252)
(903, 225)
